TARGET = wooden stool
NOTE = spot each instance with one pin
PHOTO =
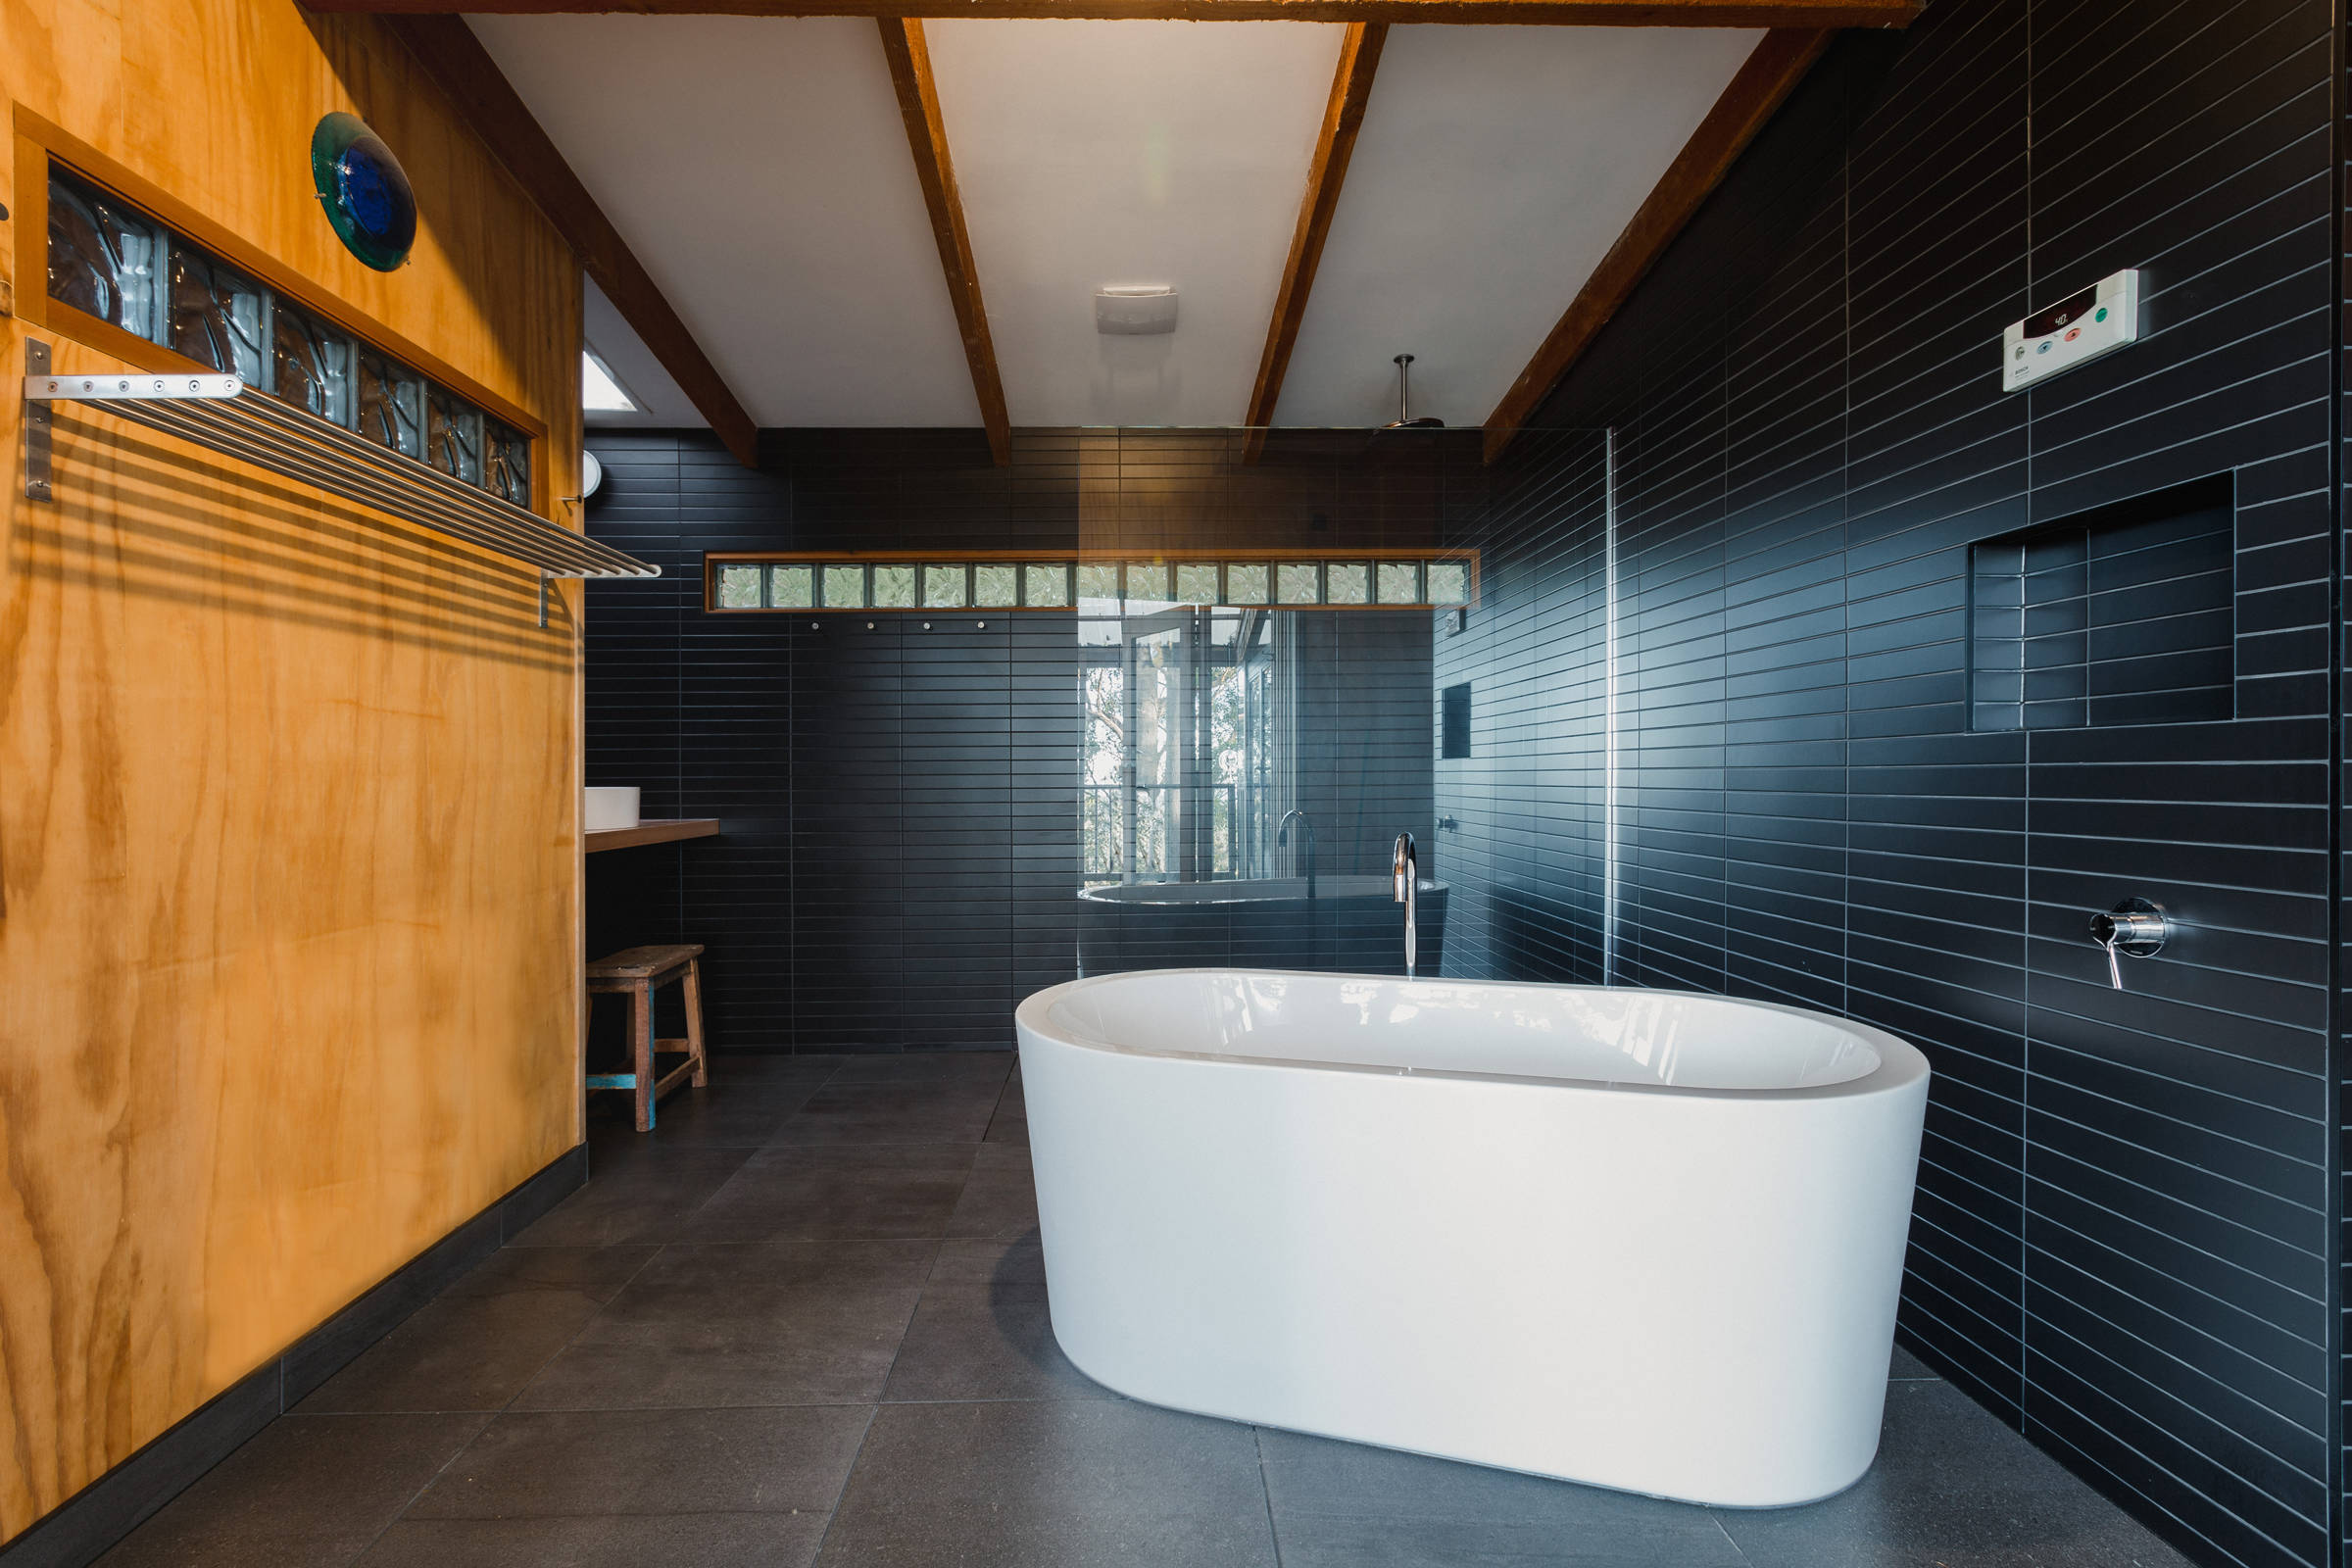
(638, 972)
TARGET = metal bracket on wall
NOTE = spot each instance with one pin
(543, 598)
(37, 424)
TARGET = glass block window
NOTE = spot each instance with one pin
(996, 587)
(311, 369)
(791, 587)
(1046, 585)
(391, 407)
(894, 588)
(942, 588)
(105, 258)
(1112, 589)
(110, 261)
(739, 587)
(845, 587)
(216, 317)
(505, 463)
(453, 436)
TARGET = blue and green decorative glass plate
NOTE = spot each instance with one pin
(365, 194)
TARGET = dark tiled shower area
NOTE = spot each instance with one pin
(804, 1321)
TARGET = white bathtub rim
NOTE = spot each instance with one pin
(1901, 1064)
(1877, 1442)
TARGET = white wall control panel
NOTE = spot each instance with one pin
(2100, 320)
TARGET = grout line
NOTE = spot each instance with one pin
(1265, 1487)
(1738, 1549)
(833, 1513)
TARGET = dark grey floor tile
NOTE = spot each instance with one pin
(477, 1347)
(755, 1324)
(1908, 1367)
(1952, 1487)
(1047, 1485)
(306, 1490)
(839, 1191)
(948, 1113)
(1000, 1199)
(636, 1541)
(983, 1331)
(1344, 1502)
(1010, 1124)
(926, 1066)
(726, 1114)
(758, 1066)
(1019, 1261)
(473, 1352)
(642, 1194)
(587, 1463)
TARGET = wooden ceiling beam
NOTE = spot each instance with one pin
(1559, 13)
(1335, 144)
(1767, 77)
(927, 138)
(455, 59)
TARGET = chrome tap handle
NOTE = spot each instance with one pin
(1405, 871)
(2133, 928)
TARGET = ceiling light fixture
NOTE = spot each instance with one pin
(601, 391)
(1135, 309)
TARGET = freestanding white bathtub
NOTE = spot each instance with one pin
(1640, 1239)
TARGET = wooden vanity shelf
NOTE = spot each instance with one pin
(668, 832)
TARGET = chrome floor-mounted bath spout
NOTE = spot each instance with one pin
(1408, 872)
(1282, 838)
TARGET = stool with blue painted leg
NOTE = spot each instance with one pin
(637, 973)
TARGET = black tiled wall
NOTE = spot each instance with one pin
(900, 863)
(2122, 1233)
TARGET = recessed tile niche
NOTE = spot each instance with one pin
(2118, 615)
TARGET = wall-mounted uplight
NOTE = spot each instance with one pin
(601, 391)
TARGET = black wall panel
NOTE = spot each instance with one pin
(2123, 1238)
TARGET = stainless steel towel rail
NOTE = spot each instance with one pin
(212, 412)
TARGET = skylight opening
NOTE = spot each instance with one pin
(601, 391)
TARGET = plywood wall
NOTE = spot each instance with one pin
(288, 952)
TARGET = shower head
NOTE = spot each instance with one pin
(1404, 419)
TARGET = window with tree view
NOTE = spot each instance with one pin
(1180, 760)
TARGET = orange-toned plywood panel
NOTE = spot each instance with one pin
(289, 963)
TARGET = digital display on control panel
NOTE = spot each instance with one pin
(2075, 330)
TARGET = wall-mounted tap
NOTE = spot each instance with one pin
(2134, 928)
(1282, 838)
(1406, 871)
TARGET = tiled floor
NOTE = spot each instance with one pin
(804, 1322)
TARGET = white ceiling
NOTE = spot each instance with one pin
(759, 169)
(1130, 151)
(1496, 168)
